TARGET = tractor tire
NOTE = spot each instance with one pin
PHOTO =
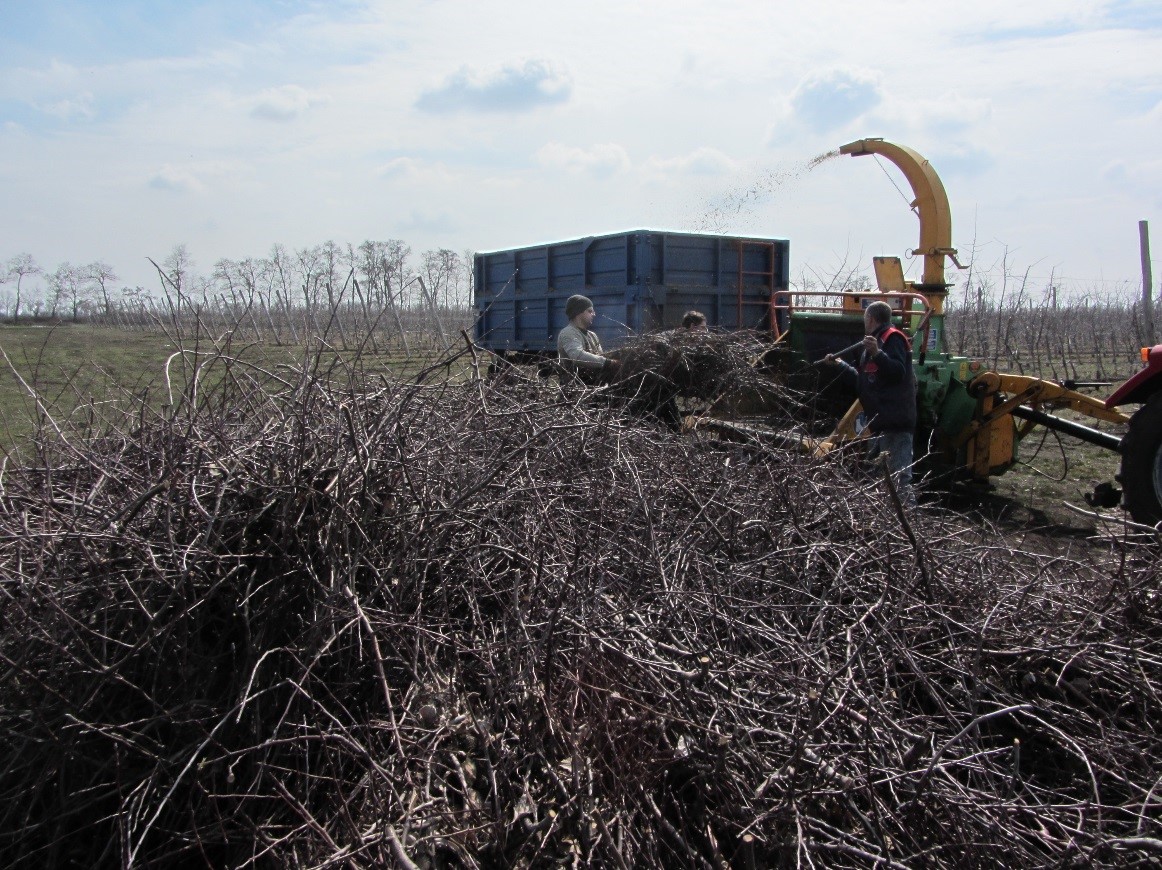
(1141, 475)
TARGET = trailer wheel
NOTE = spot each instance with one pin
(1141, 475)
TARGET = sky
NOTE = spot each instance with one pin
(130, 126)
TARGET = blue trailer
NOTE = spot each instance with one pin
(640, 281)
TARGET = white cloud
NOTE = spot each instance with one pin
(176, 179)
(414, 171)
(964, 160)
(599, 160)
(830, 99)
(512, 88)
(825, 102)
(76, 107)
(59, 90)
(53, 77)
(1134, 175)
(1116, 172)
(284, 103)
(423, 222)
(947, 114)
(400, 167)
(700, 161)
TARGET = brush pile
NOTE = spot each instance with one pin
(697, 365)
(725, 372)
(463, 624)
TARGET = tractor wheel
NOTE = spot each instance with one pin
(1141, 475)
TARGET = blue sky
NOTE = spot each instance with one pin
(129, 127)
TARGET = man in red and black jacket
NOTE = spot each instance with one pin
(886, 386)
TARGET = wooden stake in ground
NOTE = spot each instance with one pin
(1147, 281)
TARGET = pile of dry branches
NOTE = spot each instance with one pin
(698, 365)
(470, 624)
(725, 374)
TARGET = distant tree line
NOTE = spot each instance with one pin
(379, 295)
(373, 293)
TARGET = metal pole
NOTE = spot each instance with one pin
(1147, 282)
(1085, 433)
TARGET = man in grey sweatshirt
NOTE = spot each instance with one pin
(578, 346)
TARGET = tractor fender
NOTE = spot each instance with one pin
(1144, 384)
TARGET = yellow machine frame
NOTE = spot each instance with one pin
(991, 438)
(992, 435)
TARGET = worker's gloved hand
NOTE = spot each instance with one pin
(612, 365)
(870, 345)
(831, 359)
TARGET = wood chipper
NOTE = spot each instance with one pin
(971, 421)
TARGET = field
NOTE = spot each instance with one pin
(68, 365)
(310, 607)
(103, 369)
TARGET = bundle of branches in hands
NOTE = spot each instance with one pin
(694, 365)
(706, 367)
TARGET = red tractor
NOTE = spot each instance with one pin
(1141, 448)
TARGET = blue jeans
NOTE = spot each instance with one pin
(897, 450)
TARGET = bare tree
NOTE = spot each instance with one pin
(331, 269)
(440, 270)
(397, 279)
(137, 305)
(100, 276)
(174, 272)
(382, 266)
(67, 289)
(240, 279)
(464, 279)
(21, 266)
(281, 283)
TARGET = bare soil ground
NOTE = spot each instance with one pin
(1032, 500)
